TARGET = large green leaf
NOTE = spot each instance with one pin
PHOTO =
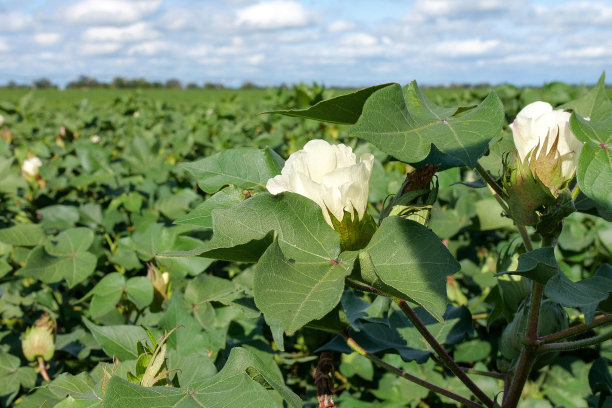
(117, 341)
(303, 256)
(65, 257)
(409, 258)
(201, 216)
(586, 294)
(344, 109)
(244, 167)
(23, 235)
(186, 339)
(139, 291)
(595, 104)
(296, 291)
(594, 171)
(539, 265)
(106, 294)
(405, 124)
(238, 384)
(65, 390)
(12, 376)
(302, 230)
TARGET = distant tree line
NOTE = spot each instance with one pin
(87, 82)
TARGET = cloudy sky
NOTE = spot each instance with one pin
(341, 42)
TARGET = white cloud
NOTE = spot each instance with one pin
(92, 49)
(148, 48)
(109, 12)
(46, 39)
(358, 40)
(255, 59)
(176, 19)
(339, 26)
(465, 48)
(4, 45)
(593, 51)
(453, 8)
(274, 15)
(578, 13)
(132, 33)
(15, 22)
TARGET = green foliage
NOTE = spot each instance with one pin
(152, 212)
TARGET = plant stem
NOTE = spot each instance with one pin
(572, 331)
(525, 237)
(490, 181)
(464, 401)
(43, 369)
(365, 288)
(573, 345)
(528, 352)
(444, 356)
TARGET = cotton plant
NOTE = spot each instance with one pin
(307, 224)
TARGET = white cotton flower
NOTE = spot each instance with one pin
(329, 175)
(30, 166)
(538, 120)
(95, 139)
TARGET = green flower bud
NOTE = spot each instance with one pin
(552, 319)
(527, 195)
(38, 340)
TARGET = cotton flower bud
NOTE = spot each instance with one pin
(38, 340)
(161, 283)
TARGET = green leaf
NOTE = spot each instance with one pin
(187, 339)
(595, 104)
(201, 216)
(79, 389)
(70, 242)
(194, 367)
(206, 288)
(232, 385)
(74, 267)
(302, 231)
(600, 378)
(586, 294)
(539, 265)
(594, 173)
(407, 246)
(139, 291)
(12, 377)
(244, 167)
(407, 124)
(568, 386)
(304, 255)
(356, 364)
(344, 109)
(58, 216)
(117, 341)
(471, 351)
(297, 291)
(107, 294)
(24, 235)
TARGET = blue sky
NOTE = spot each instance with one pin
(343, 42)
